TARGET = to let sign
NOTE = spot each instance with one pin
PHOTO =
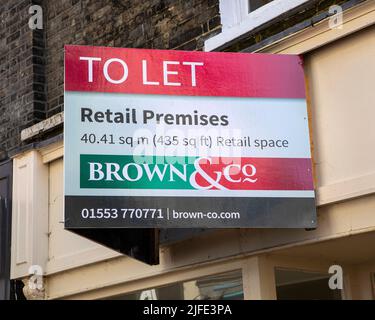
(174, 139)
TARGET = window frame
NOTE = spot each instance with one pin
(165, 279)
(236, 19)
(179, 280)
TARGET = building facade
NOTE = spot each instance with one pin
(337, 42)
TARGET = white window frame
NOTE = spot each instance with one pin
(237, 20)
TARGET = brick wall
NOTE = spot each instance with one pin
(31, 62)
(158, 24)
(22, 90)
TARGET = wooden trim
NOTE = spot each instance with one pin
(29, 214)
(345, 190)
(259, 279)
(354, 19)
(154, 280)
(80, 258)
(52, 152)
(309, 119)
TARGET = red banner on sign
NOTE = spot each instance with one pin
(254, 174)
(141, 71)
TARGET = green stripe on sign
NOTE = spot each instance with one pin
(129, 172)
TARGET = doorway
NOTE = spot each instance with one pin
(5, 228)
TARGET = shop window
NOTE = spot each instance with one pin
(225, 286)
(303, 285)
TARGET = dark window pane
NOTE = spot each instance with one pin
(255, 4)
(301, 285)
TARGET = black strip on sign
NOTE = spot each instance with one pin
(188, 212)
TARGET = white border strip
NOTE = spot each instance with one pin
(197, 193)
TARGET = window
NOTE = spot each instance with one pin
(241, 16)
(297, 285)
(224, 286)
(256, 4)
